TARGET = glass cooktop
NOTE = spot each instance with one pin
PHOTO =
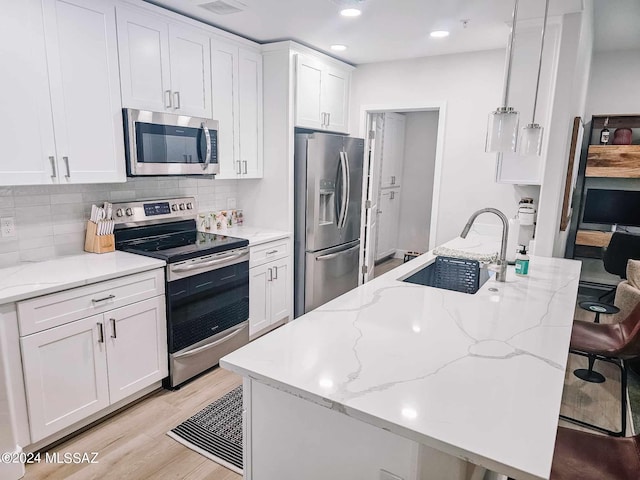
(178, 246)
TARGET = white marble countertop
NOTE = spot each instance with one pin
(31, 279)
(255, 235)
(477, 376)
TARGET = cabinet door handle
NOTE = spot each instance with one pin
(239, 167)
(113, 328)
(328, 119)
(275, 277)
(104, 299)
(393, 195)
(176, 97)
(245, 166)
(54, 173)
(271, 252)
(393, 179)
(167, 99)
(66, 162)
(101, 331)
(270, 274)
(324, 118)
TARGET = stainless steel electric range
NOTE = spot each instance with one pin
(207, 281)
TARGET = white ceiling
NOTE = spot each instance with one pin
(388, 29)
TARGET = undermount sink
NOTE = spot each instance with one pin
(453, 274)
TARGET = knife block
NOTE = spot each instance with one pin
(95, 243)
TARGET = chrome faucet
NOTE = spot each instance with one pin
(501, 276)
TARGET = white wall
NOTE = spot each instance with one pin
(614, 83)
(51, 219)
(417, 180)
(471, 85)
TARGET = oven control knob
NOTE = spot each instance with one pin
(174, 207)
(119, 212)
(182, 207)
(189, 206)
(129, 212)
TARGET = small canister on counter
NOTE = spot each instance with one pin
(522, 261)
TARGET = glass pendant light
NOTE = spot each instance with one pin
(531, 135)
(502, 128)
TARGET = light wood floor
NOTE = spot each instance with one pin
(133, 444)
(385, 266)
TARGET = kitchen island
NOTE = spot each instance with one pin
(419, 382)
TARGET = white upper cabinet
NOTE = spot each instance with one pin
(392, 159)
(85, 90)
(164, 65)
(250, 110)
(237, 105)
(28, 153)
(322, 95)
(144, 60)
(68, 92)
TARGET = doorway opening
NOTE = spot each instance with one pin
(404, 156)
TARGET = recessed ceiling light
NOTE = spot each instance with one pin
(439, 34)
(350, 12)
(339, 48)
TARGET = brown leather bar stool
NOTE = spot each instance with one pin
(588, 456)
(612, 343)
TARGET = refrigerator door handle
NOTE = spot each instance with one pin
(344, 191)
(348, 189)
(330, 256)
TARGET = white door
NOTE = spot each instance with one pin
(371, 193)
(65, 374)
(190, 72)
(335, 95)
(145, 74)
(250, 112)
(309, 93)
(82, 54)
(26, 126)
(280, 290)
(224, 79)
(136, 337)
(388, 212)
(259, 313)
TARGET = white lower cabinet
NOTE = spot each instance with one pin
(77, 369)
(65, 373)
(136, 347)
(269, 294)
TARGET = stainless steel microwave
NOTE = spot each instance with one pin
(166, 144)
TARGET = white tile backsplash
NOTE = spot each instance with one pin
(50, 219)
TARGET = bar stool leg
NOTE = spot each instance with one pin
(623, 395)
(587, 374)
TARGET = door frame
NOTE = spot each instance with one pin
(435, 106)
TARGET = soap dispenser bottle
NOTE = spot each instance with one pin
(522, 261)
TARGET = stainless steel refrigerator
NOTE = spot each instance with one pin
(328, 206)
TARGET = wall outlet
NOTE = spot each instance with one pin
(231, 203)
(7, 227)
(384, 475)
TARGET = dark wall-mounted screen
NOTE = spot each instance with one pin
(621, 207)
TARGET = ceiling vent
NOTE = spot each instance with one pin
(223, 7)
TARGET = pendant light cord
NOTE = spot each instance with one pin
(544, 27)
(512, 36)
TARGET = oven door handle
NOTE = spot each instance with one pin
(195, 351)
(209, 263)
